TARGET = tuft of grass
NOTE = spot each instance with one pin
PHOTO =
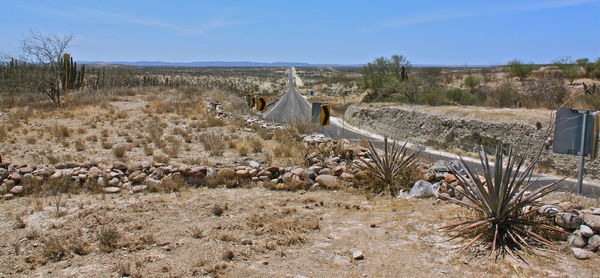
(61, 131)
(227, 255)
(242, 148)
(109, 239)
(161, 158)
(120, 150)
(197, 232)
(107, 145)
(255, 143)
(214, 143)
(79, 145)
(500, 224)
(219, 209)
(55, 249)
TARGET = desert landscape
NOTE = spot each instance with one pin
(144, 144)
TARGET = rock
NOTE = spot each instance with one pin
(111, 189)
(272, 169)
(298, 172)
(253, 164)
(568, 220)
(3, 173)
(101, 182)
(25, 170)
(458, 192)
(581, 254)
(576, 240)
(114, 182)
(594, 243)
(139, 188)
(423, 189)
(439, 166)
(198, 172)
(325, 171)
(121, 166)
(15, 176)
(311, 173)
(449, 178)
(338, 170)
(16, 190)
(264, 173)
(346, 176)
(287, 177)
(328, 181)
(593, 221)
(586, 231)
(8, 196)
(357, 254)
(242, 173)
(246, 242)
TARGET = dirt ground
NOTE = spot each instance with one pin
(256, 233)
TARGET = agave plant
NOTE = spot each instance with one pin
(503, 224)
(389, 167)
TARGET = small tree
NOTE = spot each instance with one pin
(520, 69)
(46, 52)
(568, 67)
(472, 81)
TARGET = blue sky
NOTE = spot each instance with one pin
(347, 32)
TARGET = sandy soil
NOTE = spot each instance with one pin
(291, 233)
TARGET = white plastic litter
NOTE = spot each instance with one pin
(423, 189)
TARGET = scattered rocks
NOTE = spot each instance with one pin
(593, 221)
(328, 181)
(357, 254)
(581, 254)
(568, 220)
(111, 190)
(576, 240)
(16, 190)
(594, 243)
(586, 231)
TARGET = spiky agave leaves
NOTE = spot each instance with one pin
(501, 225)
(387, 167)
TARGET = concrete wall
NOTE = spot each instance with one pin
(465, 135)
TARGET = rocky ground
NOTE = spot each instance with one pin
(255, 199)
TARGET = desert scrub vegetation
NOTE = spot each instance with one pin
(213, 142)
(501, 224)
(392, 170)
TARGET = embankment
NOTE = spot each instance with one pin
(465, 134)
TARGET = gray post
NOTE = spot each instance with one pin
(582, 155)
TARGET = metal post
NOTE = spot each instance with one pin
(582, 155)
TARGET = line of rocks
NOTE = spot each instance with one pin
(326, 171)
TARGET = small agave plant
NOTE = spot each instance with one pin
(502, 224)
(388, 167)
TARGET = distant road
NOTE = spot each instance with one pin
(297, 107)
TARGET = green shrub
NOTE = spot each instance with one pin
(458, 96)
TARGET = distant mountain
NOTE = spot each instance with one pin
(215, 64)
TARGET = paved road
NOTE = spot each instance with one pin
(296, 107)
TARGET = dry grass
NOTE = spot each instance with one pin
(120, 150)
(255, 143)
(109, 239)
(79, 145)
(215, 143)
(55, 248)
(161, 158)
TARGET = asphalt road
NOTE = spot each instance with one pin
(340, 129)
